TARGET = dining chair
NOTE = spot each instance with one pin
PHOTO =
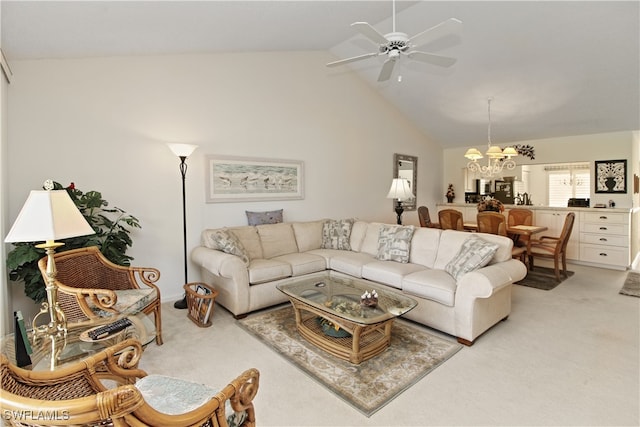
(520, 216)
(450, 219)
(77, 394)
(553, 247)
(495, 223)
(425, 218)
(90, 286)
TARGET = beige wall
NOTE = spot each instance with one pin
(103, 124)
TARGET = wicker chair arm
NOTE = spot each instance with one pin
(103, 299)
(241, 392)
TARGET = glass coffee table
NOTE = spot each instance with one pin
(332, 315)
(48, 355)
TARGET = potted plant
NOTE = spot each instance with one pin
(450, 193)
(112, 227)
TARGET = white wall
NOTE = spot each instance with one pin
(103, 124)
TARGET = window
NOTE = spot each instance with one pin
(568, 181)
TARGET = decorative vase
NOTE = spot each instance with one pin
(610, 182)
(449, 199)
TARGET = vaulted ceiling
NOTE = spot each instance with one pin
(553, 68)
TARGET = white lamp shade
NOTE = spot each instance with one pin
(400, 190)
(494, 152)
(182, 150)
(48, 216)
(473, 154)
(509, 152)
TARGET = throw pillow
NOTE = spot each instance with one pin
(394, 243)
(228, 243)
(268, 217)
(473, 254)
(336, 234)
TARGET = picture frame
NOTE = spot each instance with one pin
(611, 176)
(242, 179)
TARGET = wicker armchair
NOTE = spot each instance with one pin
(425, 218)
(91, 286)
(76, 395)
(495, 223)
(450, 219)
(554, 247)
(518, 216)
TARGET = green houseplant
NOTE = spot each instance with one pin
(112, 227)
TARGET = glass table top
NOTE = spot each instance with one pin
(342, 297)
(77, 345)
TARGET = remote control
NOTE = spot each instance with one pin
(106, 330)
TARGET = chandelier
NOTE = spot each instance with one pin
(497, 158)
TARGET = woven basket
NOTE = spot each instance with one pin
(200, 305)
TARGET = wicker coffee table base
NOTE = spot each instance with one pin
(365, 342)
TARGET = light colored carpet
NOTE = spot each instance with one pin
(631, 285)
(543, 278)
(369, 386)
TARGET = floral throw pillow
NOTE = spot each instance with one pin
(473, 254)
(394, 243)
(336, 234)
(269, 217)
(228, 243)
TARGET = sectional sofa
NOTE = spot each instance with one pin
(462, 281)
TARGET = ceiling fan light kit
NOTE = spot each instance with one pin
(395, 44)
(497, 158)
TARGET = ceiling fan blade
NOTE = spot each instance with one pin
(449, 26)
(369, 32)
(387, 69)
(352, 59)
(430, 58)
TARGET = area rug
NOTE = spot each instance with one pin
(372, 384)
(631, 285)
(542, 278)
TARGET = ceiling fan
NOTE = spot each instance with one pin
(396, 43)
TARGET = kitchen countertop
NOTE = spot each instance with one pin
(540, 207)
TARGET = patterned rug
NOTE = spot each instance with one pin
(631, 285)
(369, 386)
(542, 278)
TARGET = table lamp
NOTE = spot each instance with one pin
(47, 216)
(400, 190)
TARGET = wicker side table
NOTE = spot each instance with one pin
(200, 302)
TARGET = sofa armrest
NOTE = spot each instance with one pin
(484, 282)
(218, 262)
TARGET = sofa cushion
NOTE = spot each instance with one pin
(303, 263)
(350, 263)
(358, 231)
(474, 253)
(267, 270)
(250, 239)
(267, 217)
(370, 241)
(394, 243)
(336, 234)
(277, 239)
(226, 241)
(435, 285)
(424, 246)
(308, 235)
(388, 272)
(452, 240)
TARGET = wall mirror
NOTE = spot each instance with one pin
(406, 167)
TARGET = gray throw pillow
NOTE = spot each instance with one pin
(336, 234)
(394, 243)
(473, 254)
(268, 217)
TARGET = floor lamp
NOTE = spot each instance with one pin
(183, 151)
(400, 191)
(47, 216)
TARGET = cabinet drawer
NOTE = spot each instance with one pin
(603, 228)
(604, 255)
(604, 239)
(605, 217)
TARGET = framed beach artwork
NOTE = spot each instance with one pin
(242, 179)
(611, 176)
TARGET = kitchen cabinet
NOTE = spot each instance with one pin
(605, 238)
